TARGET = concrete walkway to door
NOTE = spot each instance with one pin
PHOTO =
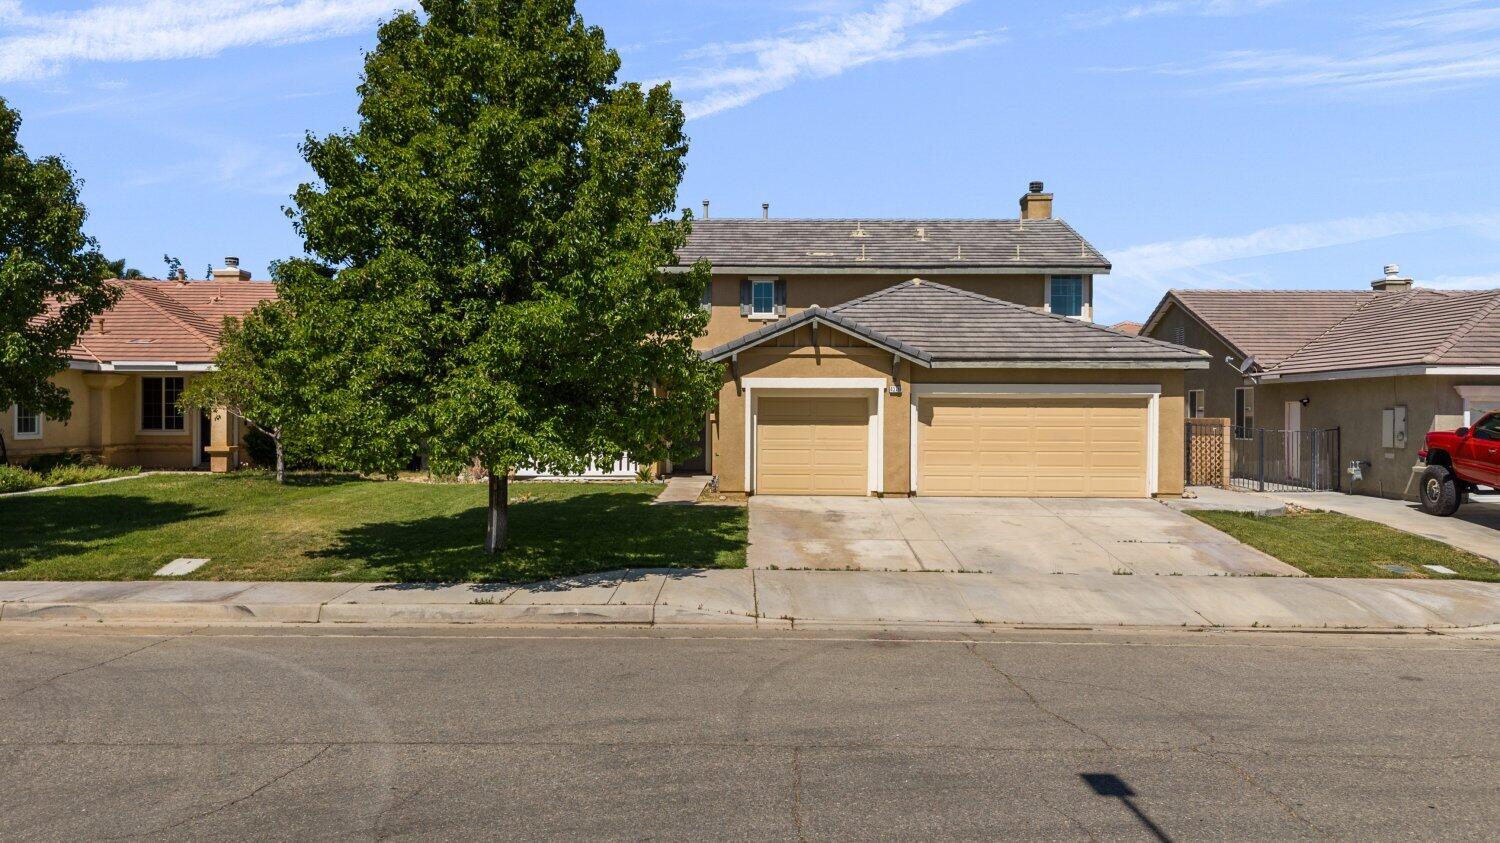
(996, 536)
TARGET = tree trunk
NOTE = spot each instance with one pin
(4, 455)
(280, 458)
(498, 529)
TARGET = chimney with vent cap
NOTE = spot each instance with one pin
(1036, 205)
(231, 271)
(765, 210)
(1393, 282)
(705, 209)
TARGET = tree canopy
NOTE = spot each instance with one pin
(52, 277)
(486, 252)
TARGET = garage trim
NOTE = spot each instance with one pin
(791, 386)
(1151, 392)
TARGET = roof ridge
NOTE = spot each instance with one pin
(139, 292)
(1463, 330)
(1084, 240)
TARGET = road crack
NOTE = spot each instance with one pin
(237, 800)
(1032, 699)
(77, 670)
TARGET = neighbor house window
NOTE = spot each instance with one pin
(28, 424)
(1065, 295)
(1195, 403)
(159, 404)
(1244, 412)
(763, 298)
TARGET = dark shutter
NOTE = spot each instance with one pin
(780, 296)
(745, 293)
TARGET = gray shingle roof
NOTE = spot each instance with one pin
(938, 325)
(892, 244)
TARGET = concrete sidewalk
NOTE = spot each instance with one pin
(784, 599)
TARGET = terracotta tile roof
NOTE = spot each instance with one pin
(892, 244)
(1269, 325)
(1310, 331)
(1414, 328)
(937, 324)
(1126, 327)
(168, 321)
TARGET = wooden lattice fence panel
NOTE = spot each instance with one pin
(1207, 457)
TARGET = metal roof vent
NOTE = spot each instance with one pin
(1392, 282)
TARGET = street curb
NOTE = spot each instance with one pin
(501, 615)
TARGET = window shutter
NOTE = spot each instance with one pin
(780, 296)
(745, 296)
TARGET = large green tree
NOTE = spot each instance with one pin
(51, 275)
(260, 376)
(497, 225)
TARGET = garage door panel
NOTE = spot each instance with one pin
(1035, 446)
(815, 445)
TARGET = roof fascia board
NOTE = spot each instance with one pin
(1069, 364)
(987, 269)
(139, 366)
(1382, 372)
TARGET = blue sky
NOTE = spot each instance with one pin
(1199, 143)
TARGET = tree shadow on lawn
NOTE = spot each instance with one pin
(549, 538)
(44, 527)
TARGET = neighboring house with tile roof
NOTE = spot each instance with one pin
(125, 372)
(1126, 327)
(929, 357)
(1385, 365)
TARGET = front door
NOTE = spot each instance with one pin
(205, 435)
(698, 463)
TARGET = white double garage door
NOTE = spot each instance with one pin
(1092, 440)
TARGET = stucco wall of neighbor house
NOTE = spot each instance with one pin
(1355, 407)
(803, 291)
(1219, 380)
(105, 421)
(798, 359)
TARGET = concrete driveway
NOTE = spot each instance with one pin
(994, 535)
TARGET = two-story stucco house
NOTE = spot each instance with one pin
(930, 357)
(126, 371)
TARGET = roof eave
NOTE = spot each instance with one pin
(900, 269)
(1044, 363)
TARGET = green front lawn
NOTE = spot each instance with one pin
(1328, 544)
(346, 528)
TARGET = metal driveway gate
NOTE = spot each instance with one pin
(1266, 459)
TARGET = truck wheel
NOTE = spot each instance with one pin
(1439, 491)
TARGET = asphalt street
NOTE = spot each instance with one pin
(303, 734)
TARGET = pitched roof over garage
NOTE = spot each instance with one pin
(939, 326)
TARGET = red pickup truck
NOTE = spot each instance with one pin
(1458, 462)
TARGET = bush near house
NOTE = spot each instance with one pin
(55, 473)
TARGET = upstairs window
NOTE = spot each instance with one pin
(159, 404)
(1065, 295)
(763, 298)
(28, 424)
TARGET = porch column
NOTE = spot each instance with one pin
(222, 454)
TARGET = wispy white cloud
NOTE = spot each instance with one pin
(890, 31)
(1144, 272)
(1165, 8)
(38, 45)
(1436, 47)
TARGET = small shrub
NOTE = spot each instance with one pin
(260, 448)
(69, 474)
(16, 479)
(45, 463)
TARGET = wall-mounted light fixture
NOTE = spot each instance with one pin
(1305, 401)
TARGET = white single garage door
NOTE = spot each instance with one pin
(1031, 446)
(812, 445)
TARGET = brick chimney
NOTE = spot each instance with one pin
(231, 271)
(1393, 282)
(1036, 205)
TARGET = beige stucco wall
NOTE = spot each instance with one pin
(1219, 380)
(797, 359)
(106, 422)
(803, 291)
(1354, 406)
